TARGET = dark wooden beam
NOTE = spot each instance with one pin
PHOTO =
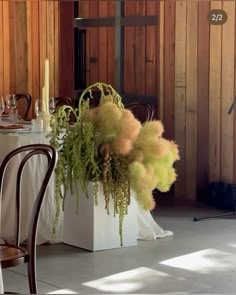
(66, 48)
(111, 21)
(94, 22)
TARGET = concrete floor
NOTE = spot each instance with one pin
(199, 259)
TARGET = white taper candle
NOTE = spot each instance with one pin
(43, 100)
(46, 85)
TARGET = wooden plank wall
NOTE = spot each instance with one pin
(190, 66)
(187, 63)
(201, 72)
(28, 34)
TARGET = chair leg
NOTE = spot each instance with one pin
(32, 276)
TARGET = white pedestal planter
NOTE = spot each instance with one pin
(92, 228)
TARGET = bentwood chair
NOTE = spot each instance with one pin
(142, 111)
(15, 253)
(63, 100)
(27, 100)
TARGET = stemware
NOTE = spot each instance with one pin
(11, 102)
(52, 105)
(2, 107)
(38, 108)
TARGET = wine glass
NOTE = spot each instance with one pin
(11, 102)
(38, 108)
(2, 107)
(52, 105)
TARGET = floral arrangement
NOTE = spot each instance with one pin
(108, 144)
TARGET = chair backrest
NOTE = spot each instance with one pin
(94, 98)
(27, 99)
(26, 153)
(63, 100)
(142, 111)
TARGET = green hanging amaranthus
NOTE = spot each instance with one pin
(83, 156)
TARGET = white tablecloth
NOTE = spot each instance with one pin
(31, 180)
(1, 282)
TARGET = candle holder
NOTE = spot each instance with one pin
(46, 117)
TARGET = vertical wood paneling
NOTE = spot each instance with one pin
(169, 68)
(6, 50)
(190, 54)
(35, 52)
(1, 52)
(161, 58)
(180, 98)
(111, 46)
(129, 58)
(210, 145)
(191, 99)
(140, 58)
(203, 96)
(22, 48)
(214, 98)
(93, 44)
(227, 92)
(51, 45)
(29, 51)
(24, 37)
(150, 56)
(12, 52)
(234, 145)
(56, 49)
(84, 12)
(102, 44)
(29, 41)
(42, 41)
(157, 58)
(66, 45)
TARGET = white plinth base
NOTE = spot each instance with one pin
(92, 228)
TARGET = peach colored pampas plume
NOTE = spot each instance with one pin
(108, 118)
(129, 125)
(152, 129)
(121, 146)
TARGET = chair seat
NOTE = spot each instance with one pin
(11, 256)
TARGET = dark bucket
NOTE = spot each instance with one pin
(222, 195)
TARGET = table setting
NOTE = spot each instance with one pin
(14, 135)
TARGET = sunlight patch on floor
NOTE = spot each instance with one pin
(232, 245)
(63, 291)
(205, 261)
(128, 281)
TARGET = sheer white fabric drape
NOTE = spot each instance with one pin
(148, 229)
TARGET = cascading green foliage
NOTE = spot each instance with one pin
(82, 157)
(107, 144)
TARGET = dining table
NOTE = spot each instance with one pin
(10, 139)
